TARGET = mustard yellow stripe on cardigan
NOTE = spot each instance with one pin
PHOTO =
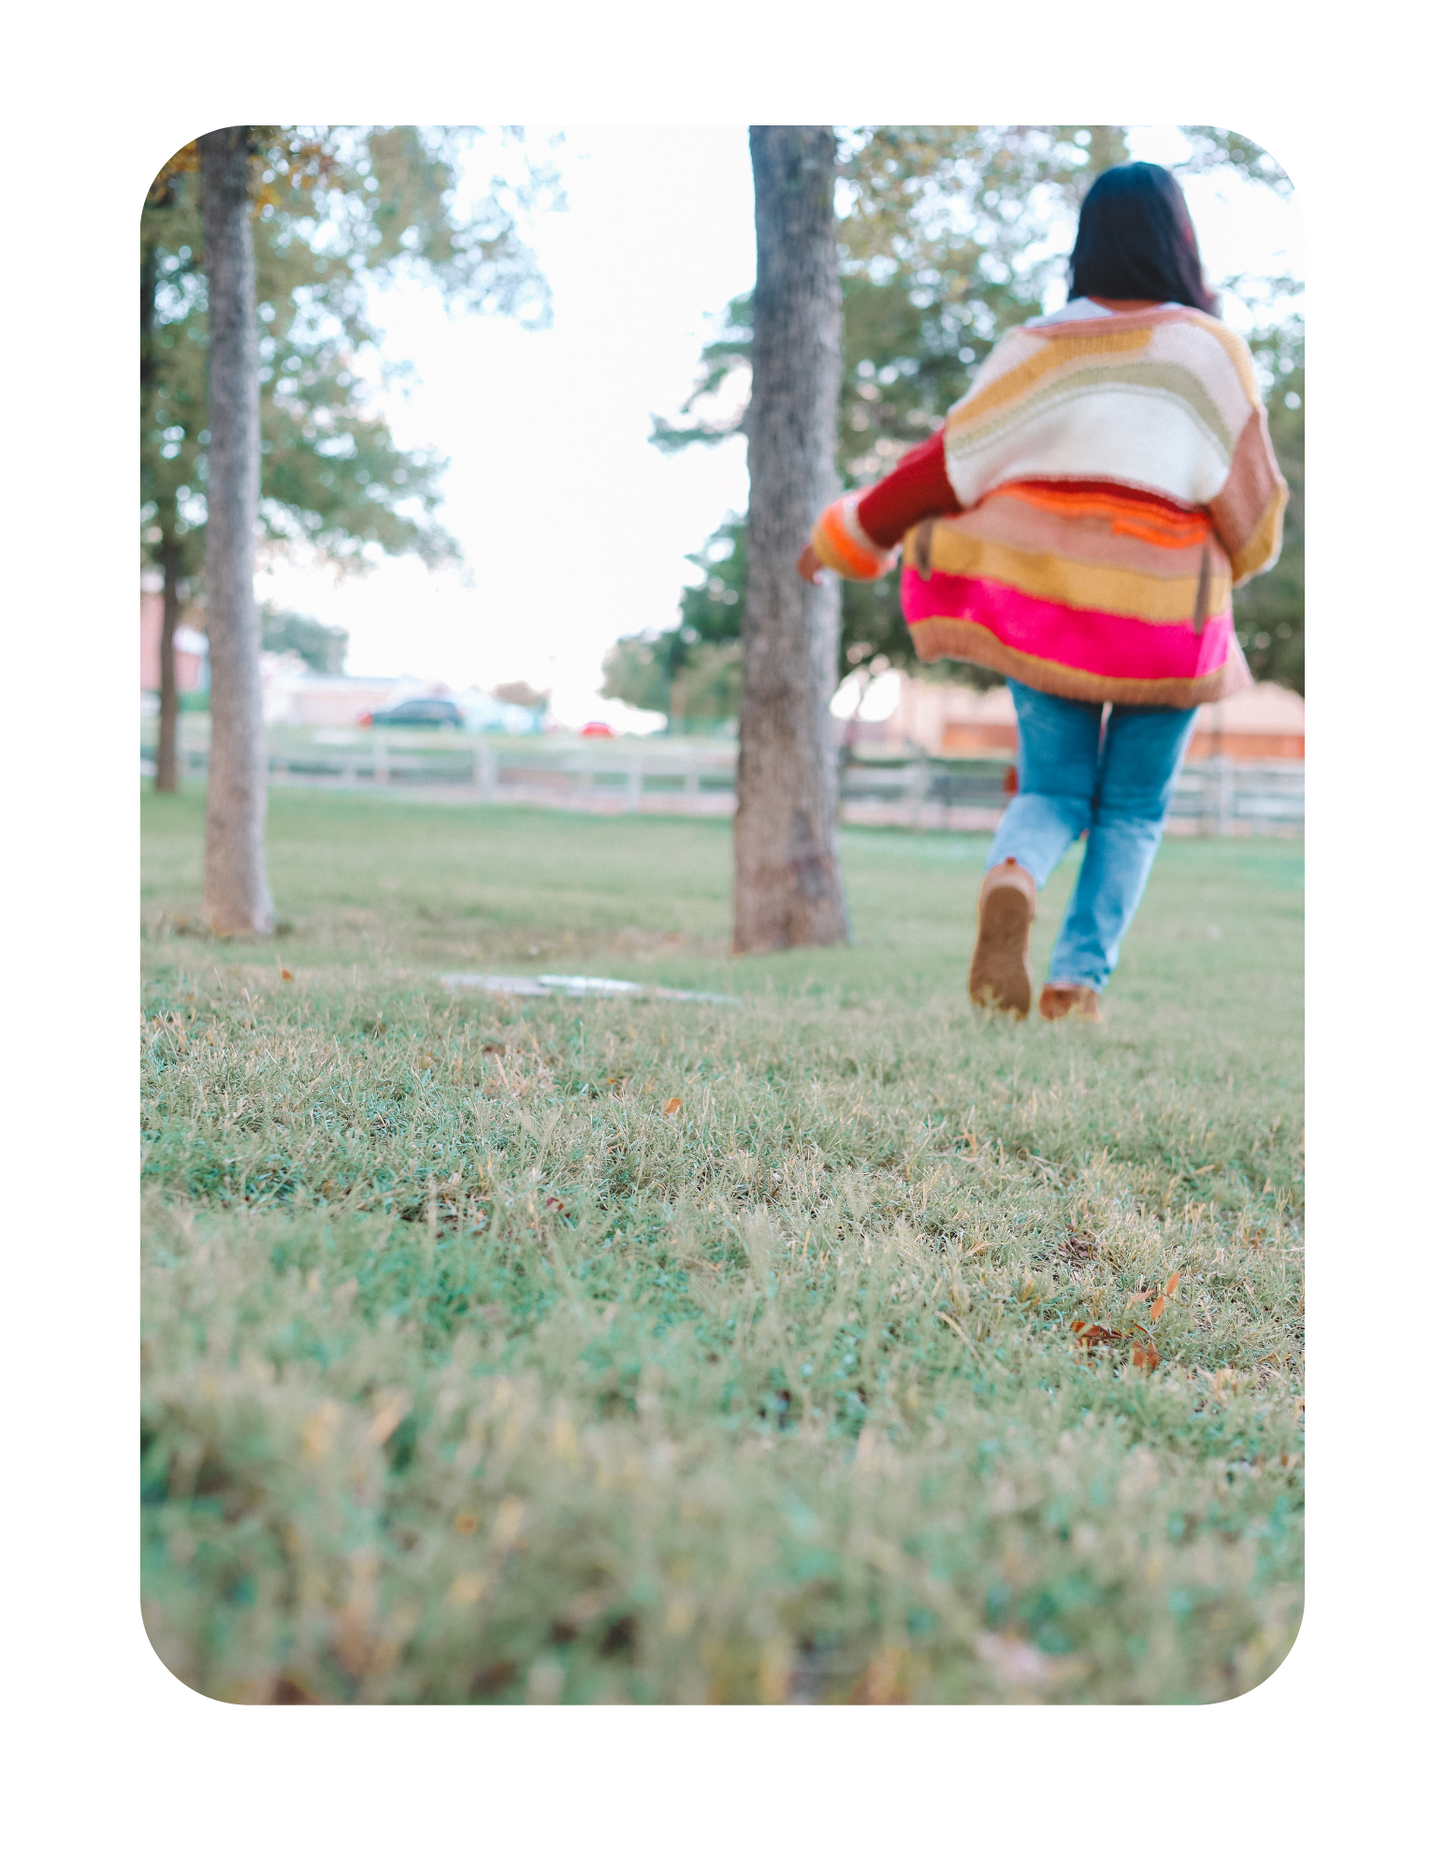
(1262, 546)
(1147, 374)
(1083, 586)
(1053, 354)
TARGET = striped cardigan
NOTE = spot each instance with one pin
(1082, 516)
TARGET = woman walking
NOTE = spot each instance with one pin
(1078, 524)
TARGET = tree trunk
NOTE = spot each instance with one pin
(147, 326)
(788, 887)
(170, 556)
(237, 900)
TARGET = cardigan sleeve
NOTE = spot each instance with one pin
(856, 536)
(1248, 511)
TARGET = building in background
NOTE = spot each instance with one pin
(298, 697)
(950, 718)
(293, 694)
(192, 670)
(1266, 722)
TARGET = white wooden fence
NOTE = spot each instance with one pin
(1216, 796)
(1227, 796)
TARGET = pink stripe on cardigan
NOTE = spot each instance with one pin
(1100, 643)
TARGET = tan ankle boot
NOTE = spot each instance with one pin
(1067, 1000)
(999, 975)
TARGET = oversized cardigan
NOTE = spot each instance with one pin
(1082, 516)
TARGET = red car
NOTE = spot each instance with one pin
(597, 729)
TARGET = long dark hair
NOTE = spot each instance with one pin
(1136, 241)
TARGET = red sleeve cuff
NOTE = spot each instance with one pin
(917, 489)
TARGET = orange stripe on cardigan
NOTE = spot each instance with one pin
(1140, 515)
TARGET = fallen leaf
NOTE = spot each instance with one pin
(1145, 1357)
(672, 1107)
(286, 975)
(1172, 1286)
(1092, 1335)
(1157, 1308)
(465, 1523)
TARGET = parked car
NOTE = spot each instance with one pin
(420, 711)
(597, 729)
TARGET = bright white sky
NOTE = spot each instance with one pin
(574, 528)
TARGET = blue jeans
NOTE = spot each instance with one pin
(1116, 786)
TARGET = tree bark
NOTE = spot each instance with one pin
(170, 557)
(787, 884)
(237, 899)
(147, 326)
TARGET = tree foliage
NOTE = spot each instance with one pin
(321, 647)
(335, 210)
(1269, 611)
(948, 237)
(692, 673)
(1213, 148)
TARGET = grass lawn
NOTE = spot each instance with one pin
(477, 1367)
